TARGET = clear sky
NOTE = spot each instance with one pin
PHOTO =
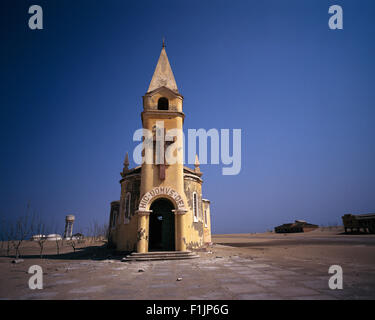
(303, 95)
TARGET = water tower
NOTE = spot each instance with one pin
(69, 220)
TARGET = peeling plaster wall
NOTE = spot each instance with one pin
(114, 213)
(125, 235)
(126, 230)
(194, 230)
(207, 228)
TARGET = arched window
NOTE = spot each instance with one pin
(127, 205)
(195, 206)
(114, 218)
(163, 104)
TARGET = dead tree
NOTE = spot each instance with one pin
(94, 231)
(19, 230)
(98, 232)
(104, 232)
(59, 244)
(39, 229)
(6, 235)
(2, 233)
(59, 241)
(90, 233)
(73, 243)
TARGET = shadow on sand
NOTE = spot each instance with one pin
(95, 252)
(358, 233)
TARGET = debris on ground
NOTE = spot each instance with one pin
(17, 260)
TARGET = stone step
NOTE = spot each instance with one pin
(168, 255)
(162, 256)
(159, 258)
(151, 253)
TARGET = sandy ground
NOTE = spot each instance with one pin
(237, 266)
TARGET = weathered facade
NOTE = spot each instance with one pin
(161, 206)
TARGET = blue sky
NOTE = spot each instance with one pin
(302, 94)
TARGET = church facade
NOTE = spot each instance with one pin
(161, 206)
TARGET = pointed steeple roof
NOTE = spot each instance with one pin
(163, 75)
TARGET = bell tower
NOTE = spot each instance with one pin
(162, 111)
(162, 115)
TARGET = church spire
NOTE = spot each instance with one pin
(163, 75)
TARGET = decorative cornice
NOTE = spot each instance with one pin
(163, 112)
(143, 212)
(180, 211)
(151, 93)
(193, 177)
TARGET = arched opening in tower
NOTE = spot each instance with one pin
(163, 104)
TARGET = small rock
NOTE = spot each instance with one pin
(179, 279)
(17, 260)
(210, 252)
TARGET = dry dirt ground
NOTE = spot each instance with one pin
(237, 266)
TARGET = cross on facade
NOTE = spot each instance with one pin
(161, 146)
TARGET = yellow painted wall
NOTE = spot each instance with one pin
(207, 228)
(195, 234)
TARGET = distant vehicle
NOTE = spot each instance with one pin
(297, 226)
(37, 237)
(78, 236)
(54, 237)
(355, 223)
(50, 237)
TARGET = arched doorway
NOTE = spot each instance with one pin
(161, 228)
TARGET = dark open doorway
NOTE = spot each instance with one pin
(161, 230)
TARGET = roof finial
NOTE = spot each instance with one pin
(126, 165)
(126, 161)
(196, 164)
(163, 43)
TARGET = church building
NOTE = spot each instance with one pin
(161, 206)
